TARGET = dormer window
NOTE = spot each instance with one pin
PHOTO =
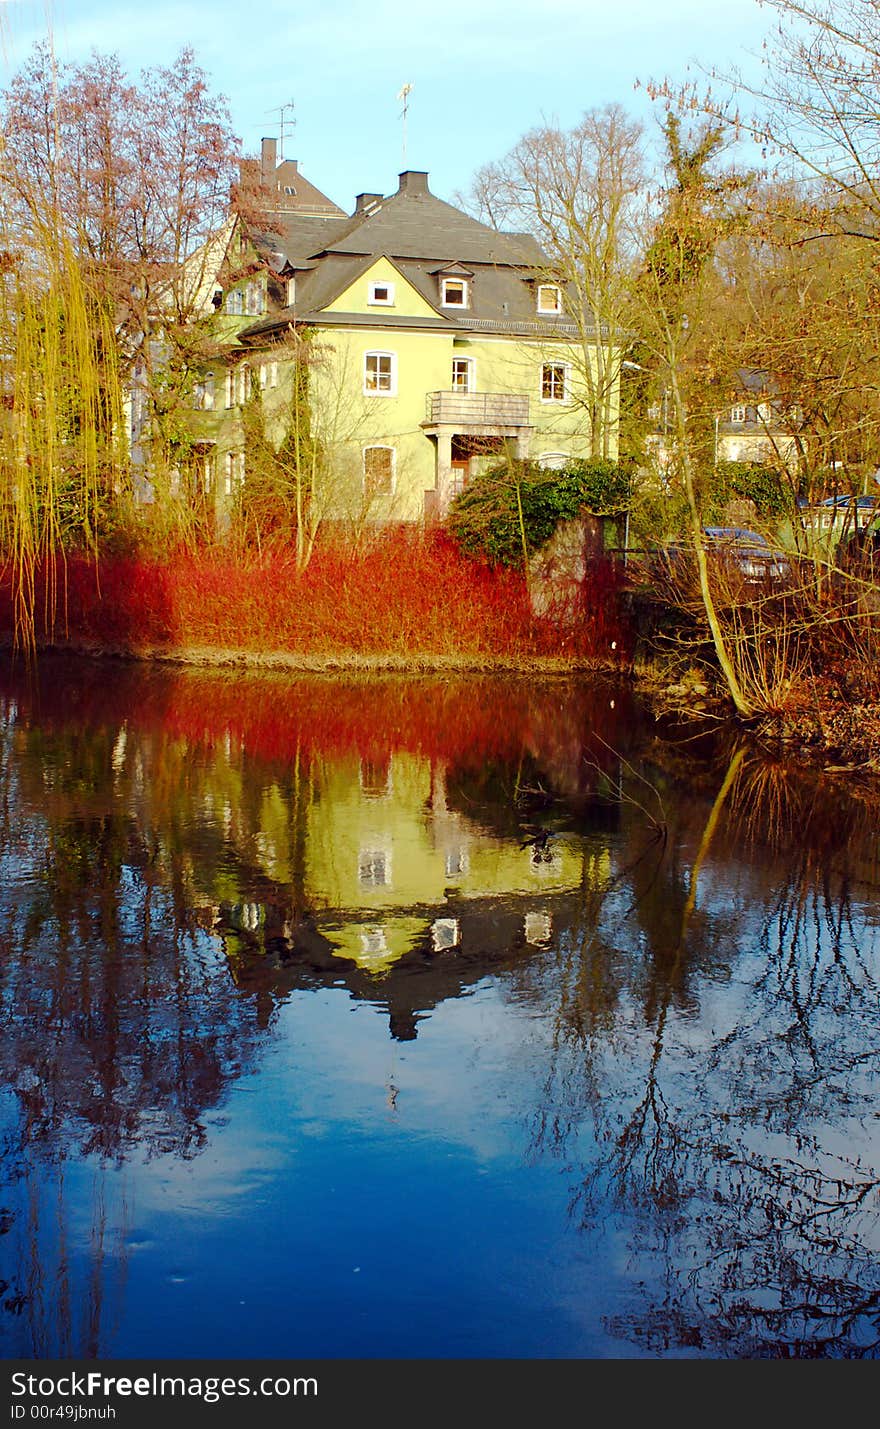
(453, 292)
(235, 302)
(254, 299)
(291, 292)
(381, 295)
(549, 298)
(738, 413)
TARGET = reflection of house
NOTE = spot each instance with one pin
(389, 873)
(434, 344)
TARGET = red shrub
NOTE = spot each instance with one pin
(408, 595)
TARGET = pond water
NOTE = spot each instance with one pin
(435, 1018)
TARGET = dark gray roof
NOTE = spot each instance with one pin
(419, 225)
(301, 236)
(423, 237)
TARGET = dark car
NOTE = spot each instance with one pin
(750, 553)
(744, 555)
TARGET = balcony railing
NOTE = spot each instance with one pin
(478, 409)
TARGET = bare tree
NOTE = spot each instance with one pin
(580, 192)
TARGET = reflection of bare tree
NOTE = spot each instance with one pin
(118, 1028)
(745, 1170)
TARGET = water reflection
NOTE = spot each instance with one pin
(672, 941)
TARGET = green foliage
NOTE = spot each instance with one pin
(764, 485)
(484, 519)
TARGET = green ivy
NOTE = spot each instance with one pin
(484, 519)
(771, 492)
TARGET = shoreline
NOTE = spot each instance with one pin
(337, 662)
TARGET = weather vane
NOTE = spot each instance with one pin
(404, 97)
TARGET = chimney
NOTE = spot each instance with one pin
(268, 160)
(413, 182)
(364, 203)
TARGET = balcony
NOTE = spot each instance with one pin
(463, 410)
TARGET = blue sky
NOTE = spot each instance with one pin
(482, 71)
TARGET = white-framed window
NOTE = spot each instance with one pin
(554, 382)
(208, 473)
(456, 861)
(379, 471)
(538, 928)
(463, 374)
(237, 385)
(203, 393)
(235, 302)
(268, 375)
(445, 934)
(291, 292)
(381, 294)
(374, 777)
(552, 461)
(453, 292)
(738, 413)
(549, 298)
(234, 463)
(374, 942)
(380, 374)
(254, 298)
(374, 867)
(764, 412)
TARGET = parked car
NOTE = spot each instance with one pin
(745, 555)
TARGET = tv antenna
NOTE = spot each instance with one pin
(403, 96)
(284, 125)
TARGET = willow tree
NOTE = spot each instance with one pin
(113, 195)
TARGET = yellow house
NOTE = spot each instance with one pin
(431, 342)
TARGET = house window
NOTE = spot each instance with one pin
(235, 302)
(237, 385)
(549, 298)
(380, 374)
(208, 474)
(453, 293)
(445, 934)
(268, 375)
(381, 294)
(737, 414)
(203, 395)
(456, 862)
(374, 776)
(379, 471)
(234, 471)
(462, 374)
(374, 942)
(764, 412)
(254, 299)
(374, 867)
(291, 292)
(553, 382)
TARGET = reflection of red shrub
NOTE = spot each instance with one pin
(291, 719)
(407, 594)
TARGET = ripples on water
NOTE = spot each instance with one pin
(426, 1018)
